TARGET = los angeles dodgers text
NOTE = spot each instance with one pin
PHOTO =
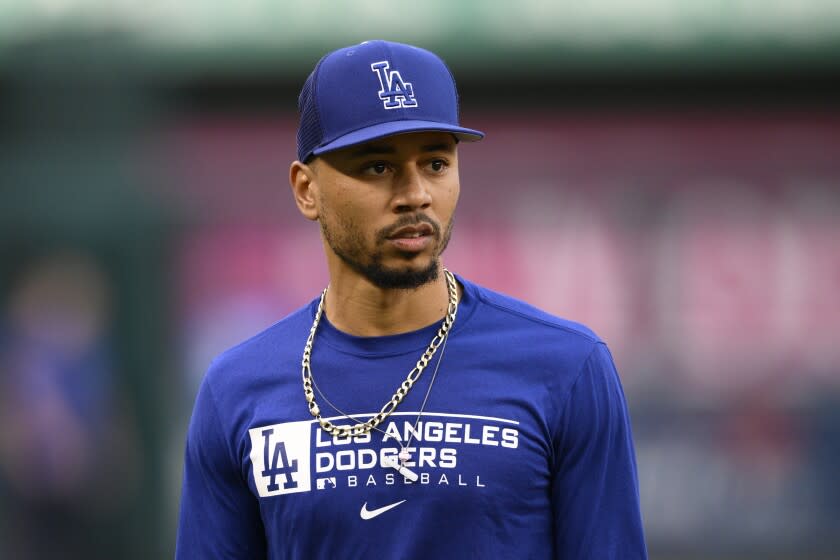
(434, 431)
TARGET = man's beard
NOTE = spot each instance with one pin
(351, 251)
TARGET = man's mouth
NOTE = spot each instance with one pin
(412, 231)
(412, 238)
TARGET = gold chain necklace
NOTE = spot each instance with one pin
(361, 428)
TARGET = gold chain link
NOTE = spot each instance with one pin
(389, 407)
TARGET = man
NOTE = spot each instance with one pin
(405, 413)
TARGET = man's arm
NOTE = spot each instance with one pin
(219, 517)
(595, 488)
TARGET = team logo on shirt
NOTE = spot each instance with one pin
(280, 458)
(393, 90)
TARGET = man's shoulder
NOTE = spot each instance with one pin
(526, 315)
(273, 344)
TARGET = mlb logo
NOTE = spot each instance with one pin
(393, 90)
(324, 483)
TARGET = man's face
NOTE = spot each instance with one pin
(386, 207)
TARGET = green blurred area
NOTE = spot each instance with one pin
(76, 118)
(479, 36)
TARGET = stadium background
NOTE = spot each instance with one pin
(666, 171)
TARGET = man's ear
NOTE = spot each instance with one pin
(303, 182)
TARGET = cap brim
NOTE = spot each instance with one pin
(378, 131)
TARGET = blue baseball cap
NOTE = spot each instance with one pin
(376, 89)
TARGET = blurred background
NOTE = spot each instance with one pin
(665, 171)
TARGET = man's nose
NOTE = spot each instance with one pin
(411, 190)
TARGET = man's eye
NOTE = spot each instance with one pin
(438, 165)
(378, 168)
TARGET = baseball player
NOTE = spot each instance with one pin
(405, 412)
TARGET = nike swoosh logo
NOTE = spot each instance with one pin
(370, 514)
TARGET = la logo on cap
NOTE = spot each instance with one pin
(393, 92)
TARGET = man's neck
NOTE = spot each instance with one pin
(357, 307)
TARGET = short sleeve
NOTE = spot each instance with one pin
(595, 489)
(219, 516)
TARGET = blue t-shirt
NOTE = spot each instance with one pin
(523, 450)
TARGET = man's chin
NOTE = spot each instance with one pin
(406, 276)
